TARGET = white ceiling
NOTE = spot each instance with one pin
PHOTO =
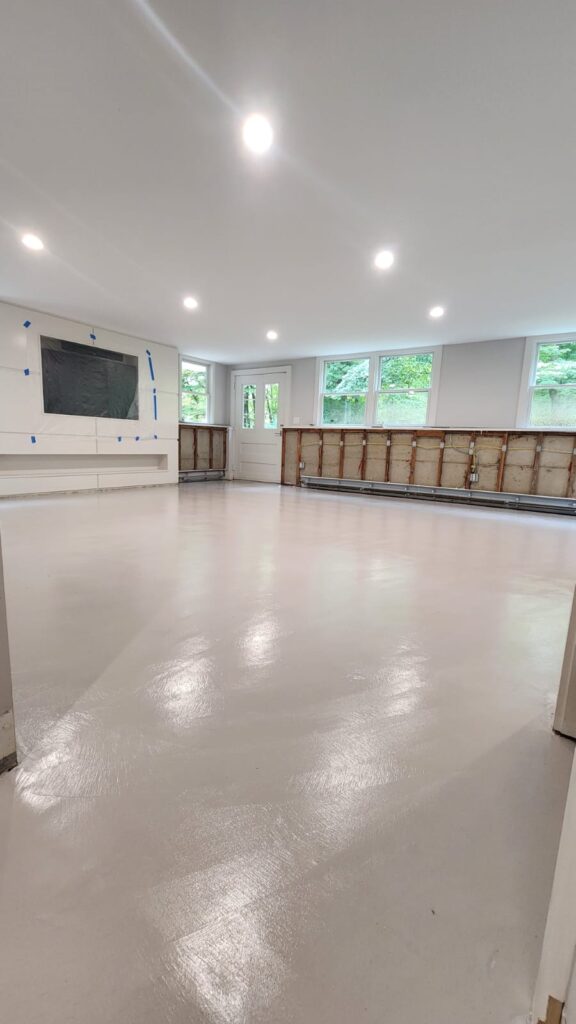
(444, 129)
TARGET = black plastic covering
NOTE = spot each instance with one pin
(81, 380)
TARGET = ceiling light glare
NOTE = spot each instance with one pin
(436, 312)
(190, 302)
(32, 242)
(272, 335)
(384, 259)
(257, 134)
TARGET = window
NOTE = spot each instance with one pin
(271, 406)
(392, 389)
(344, 391)
(249, 407)
(404, 390)
(194, 395)
(553, 385)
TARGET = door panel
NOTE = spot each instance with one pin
(260, 404)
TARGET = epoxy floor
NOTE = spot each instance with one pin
(286, 758)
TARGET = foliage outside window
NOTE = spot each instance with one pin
(553, 388)
(344, 391)
(271, 393)
(193, 392)
(249, 407)
(404, 390)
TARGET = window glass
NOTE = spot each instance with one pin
(194, 392)
(345, 387)
(404, 390)
(343, 410)
(249, 406)
(346, 376)
(412, 371)
(271, 406)
(553, 394)
(403, 408)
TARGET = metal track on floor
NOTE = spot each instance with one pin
(522, 502)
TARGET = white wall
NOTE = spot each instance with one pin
(220, 406)
(7, 732)
(81, 452)
(480, 384)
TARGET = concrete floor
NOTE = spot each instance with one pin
(286, 758)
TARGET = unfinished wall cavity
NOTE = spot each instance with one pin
(519, 462)
(202, 447)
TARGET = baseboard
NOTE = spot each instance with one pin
(7, 742)
(8, 763)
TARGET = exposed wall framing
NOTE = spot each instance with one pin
(202, 448)
(517, 462)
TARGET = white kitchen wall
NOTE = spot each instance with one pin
(479, 385)
(40, 453)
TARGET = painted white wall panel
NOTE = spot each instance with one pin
(134, 479)
(46, 444)
(22, 413)
(21, 485)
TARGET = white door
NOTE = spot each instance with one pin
(260, 406)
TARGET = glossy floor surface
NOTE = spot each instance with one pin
(286, 757)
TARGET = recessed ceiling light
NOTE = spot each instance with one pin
(384, 259)
(257, 133)
(32, 242)
(436, 312)
(190, 302)
(272, 335)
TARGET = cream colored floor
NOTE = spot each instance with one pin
(286, 758)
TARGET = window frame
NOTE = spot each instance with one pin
(528, 384)
(374, 387)
(209, 389)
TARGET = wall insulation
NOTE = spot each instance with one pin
(517, 462)
(202, 448)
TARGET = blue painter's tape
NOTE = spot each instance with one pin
(137, 438)
(92, 335)
(118, 438)
(155, 400)
(27, 323)
(27, 372)
(150, 364)
(33, 438)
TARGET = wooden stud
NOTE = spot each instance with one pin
(571, 470)
(298, 459)
(470, 463)
(502, 462)
(536, 463)
(341, 463)
(553, 1011)
(364, 454)
(195, 429)
(225, 449)
(320, 453)
(413, 458)
(440, 460)
(210, 448)
(283, 464)
(388, 452)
